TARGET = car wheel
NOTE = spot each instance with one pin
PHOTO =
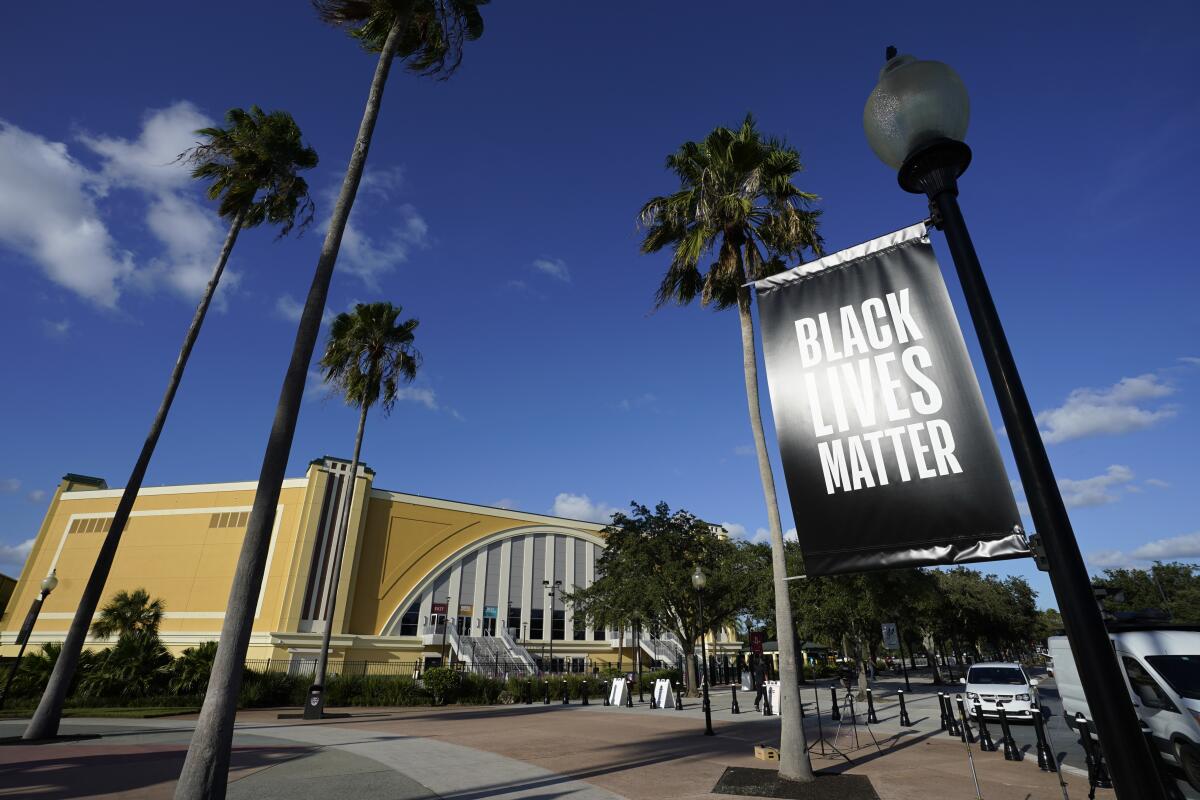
(1189, 760)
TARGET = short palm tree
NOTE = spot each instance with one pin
(252, 167)
(736, 197)
(428, 35)
(129, 613)
(368, 355)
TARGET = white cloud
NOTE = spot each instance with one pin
(761, 535)
(369, 256)
(150, 162)
(12, 557)
(1098, 490)
(37, 495)
(1120, 408)
(505, 502)
(1174, 548)
(736, 530)
(1161, 484)
(580, 506)
(10, 485)
(744, 450)
(290, 309)
(554, 267)
(191, 235)
(48, 214)
(641, 401)
(1193, 360)
(419, 395)
(56, 329)
(1185, 546)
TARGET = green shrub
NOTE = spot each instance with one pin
(376, 690)
(189, 673)
(442, 683)
(261, 689)
(137, 665)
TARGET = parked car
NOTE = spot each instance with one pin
(1161, 665)
(993, 683)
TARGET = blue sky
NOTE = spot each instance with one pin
(500, 210)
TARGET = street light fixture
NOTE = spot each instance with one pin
(915, 120)
(48, 585)
(550, 592)
(699, 581)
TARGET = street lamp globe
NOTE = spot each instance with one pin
(49, 582)
(915, 104)
(699, 579)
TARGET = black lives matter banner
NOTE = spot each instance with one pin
(888, 453)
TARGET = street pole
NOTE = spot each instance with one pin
(445, 622)
(48, 584)
(699, 581)
(934, 171)
(903, 666)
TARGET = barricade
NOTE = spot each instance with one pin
(1011, 752)
(566, 693)
(834, 714)
(678, 697)
(735, 710)
(607, 688)
(872, 719)
(965, 723)
(985, 736)
(943, 723)
(904, 720)
(546, 701)
(583, 691)
(1094, 755)
(1044, 756)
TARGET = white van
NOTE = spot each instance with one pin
(1161, 664)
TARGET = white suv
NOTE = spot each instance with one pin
(995, 682)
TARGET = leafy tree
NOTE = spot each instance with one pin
(429, 35)
(128, 613)
(1172, 587)
(36, 668)
(736, 197)
(190, 671)
(252, 165)
(646, 571)
(369, 354)
(1049, 623)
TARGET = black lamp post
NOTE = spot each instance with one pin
(48, 584)
(550, 592)
(699, 579)
(915, 120)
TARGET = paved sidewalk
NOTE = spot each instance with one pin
(536, 751)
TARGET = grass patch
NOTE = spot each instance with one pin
(118, 713)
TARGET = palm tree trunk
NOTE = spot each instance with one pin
(44, 724)
(793, 753)
(339, 547)
(205, 770)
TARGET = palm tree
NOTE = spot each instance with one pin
(368, 355)
(736, 197)
(252, 167)
(429, 36)
(128, 614)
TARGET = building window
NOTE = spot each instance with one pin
(580, 629)
(514, 622)
(558, 624)
(408, 623)
(599, 634)
(535, 623)
(229, 519)
(92, 525)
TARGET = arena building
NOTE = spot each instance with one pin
(410, 562)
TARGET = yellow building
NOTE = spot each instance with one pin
(409, 560)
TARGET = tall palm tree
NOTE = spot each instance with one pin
(129, 613)
(252, 166)
(429, 36)
(369, 353)
(736, 197)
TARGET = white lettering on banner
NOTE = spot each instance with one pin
(876, 385)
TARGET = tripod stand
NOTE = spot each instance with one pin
(821, 740)
(848, 708)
